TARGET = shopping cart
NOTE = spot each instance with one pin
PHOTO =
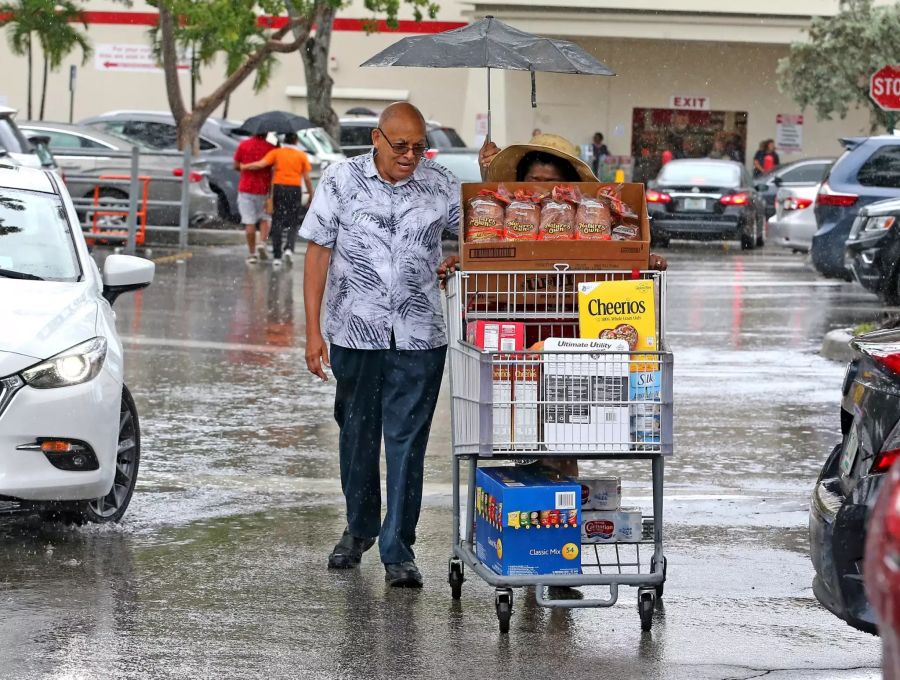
(492, 426)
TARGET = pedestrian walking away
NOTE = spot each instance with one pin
(374, 242)
(253, 190)
(290, 172)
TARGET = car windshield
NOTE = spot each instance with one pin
(701, 174)
(318, 141)
(444, 138)
(35, 237)
(10, 138)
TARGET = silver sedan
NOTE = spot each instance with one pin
(86, 155)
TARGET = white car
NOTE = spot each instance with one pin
(69, 431)
(794, 222)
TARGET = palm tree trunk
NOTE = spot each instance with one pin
(44, 89)
(29, 78)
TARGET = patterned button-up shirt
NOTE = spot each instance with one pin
(386, 245)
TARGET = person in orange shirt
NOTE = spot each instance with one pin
(290, 167)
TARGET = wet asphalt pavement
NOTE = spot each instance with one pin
(218, 570)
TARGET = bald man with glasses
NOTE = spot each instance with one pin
(374, 242)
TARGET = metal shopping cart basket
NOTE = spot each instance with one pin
(546, 303)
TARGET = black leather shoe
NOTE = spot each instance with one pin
(402, 575)
(348, 551)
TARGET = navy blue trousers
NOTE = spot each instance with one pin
(390, 393)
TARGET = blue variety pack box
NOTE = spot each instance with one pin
(525, 523)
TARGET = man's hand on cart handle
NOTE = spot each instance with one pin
(447, 267)
(658, 262)
(317, 355)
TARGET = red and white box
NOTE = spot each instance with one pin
(496, 336)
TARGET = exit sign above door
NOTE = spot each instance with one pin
(691, 103)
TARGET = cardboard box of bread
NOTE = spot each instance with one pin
(533, 226)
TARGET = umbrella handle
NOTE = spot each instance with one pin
(533, 90)
(489, 104)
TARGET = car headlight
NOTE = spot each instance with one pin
(880, 223)
(72, 367)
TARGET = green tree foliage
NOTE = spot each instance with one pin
(317, 48)
(50, 23)
(210, 29)
(228, 28)
(231, 29)
(831, 71)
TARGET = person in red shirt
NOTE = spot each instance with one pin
(253, 192)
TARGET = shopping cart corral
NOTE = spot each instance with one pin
(554, 388)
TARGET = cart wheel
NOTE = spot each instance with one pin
(661, 587)
(504, 600)
(455, 578)
(645, 609)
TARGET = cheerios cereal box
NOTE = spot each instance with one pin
(620, 310)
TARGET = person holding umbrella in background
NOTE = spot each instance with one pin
(290, 172)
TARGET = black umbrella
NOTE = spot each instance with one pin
(280, 122)
(489, 43)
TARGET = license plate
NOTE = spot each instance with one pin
(695, 204)
(848, 455)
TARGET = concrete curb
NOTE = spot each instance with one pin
(836, 347)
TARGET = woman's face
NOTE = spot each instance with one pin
(543, 172)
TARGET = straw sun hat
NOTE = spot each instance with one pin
(503, 167)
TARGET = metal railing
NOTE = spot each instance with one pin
(135, 206)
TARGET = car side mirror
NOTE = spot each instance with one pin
(777, 181)
(761, 187)
(125, 273)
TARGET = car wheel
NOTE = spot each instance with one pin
(109, 221)
(112, 506)
(221, 203)
(748, 241)
(761, 234)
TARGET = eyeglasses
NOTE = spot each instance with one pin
(403, 149)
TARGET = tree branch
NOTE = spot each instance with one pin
(170, 63)
(208, 104)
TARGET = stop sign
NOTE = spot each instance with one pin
(884, 88)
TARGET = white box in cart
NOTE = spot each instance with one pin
(585, 395)
(525, 401)
(502, 396)
(631, 525)
(601, 493)
(611, 526)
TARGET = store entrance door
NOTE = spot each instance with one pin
(659, 135)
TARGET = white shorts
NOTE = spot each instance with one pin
(252, 208)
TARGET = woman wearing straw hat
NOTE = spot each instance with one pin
(546, 158)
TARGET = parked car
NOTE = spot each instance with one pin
(702, 198)
(217, 143)
(806, 172)
(85, 155)
(18, 148)
(853, 473)
(69, 430)
(321, 146)
(881, 569)
(873, 249)
(794, 222)
(868, 171)
(445, 145)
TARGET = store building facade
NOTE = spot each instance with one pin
(689, 73)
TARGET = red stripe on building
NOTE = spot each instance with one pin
(151, 19)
